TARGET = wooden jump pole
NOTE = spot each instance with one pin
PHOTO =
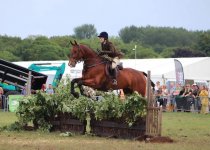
(154, 114)
(28, 88)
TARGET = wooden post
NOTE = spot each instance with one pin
(148, 118)
(28, 88)
(159, 121)
(148, 89)
(154, 114)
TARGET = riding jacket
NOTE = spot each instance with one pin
(109, 49)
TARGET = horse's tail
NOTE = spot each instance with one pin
(152, 83)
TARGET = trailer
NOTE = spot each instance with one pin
(13, 78)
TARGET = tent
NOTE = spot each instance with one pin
(194, 68)
(161, 68)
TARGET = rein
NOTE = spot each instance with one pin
(87, 65)
(94, 64)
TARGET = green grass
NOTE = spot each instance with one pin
(190, 131)
(7, 118)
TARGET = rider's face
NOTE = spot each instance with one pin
(101, 39)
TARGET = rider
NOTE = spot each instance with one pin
(109, 50)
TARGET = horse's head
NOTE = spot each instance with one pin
(75, 54)
(79, 53)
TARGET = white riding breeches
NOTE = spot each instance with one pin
(115, 62)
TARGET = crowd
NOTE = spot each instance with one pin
(186, 98)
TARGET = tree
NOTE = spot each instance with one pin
(41, 48)
(9, 56)
(85, 31)
(129, 34)
(204, 43)
(186, 52)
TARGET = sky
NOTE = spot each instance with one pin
(24, 18)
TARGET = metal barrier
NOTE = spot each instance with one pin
(180, 103)
(4, 104)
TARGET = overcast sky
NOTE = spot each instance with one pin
(59, 17)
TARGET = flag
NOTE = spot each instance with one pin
(179, 72)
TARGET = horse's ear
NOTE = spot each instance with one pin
(72, 43)
(75, 42)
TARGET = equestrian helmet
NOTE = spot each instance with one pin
(104, 35)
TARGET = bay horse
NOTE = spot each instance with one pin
(94, 73)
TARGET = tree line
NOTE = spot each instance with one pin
(150, 42)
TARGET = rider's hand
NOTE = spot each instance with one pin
(101, 53)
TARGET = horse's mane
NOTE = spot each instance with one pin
(86, 47)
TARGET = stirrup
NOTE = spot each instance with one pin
(114, 82)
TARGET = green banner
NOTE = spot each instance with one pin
(14, 102)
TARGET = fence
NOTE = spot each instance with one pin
(3, 103)
(154, 113)
(180, 103)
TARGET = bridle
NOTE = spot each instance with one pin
(85, 65)
(74, 56)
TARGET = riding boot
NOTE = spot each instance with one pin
(120, 66)
(114, 76)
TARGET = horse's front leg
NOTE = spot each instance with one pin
(76, 80)
(80, 83)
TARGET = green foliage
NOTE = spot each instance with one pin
(134, 107)
(203, 44)
(42, 108)
(108, 108)
(41, 48)
(80, 107)
(39, 109)
(158, 35)
(186, 52)
(112, 108)
(152, 42)
(9, 56)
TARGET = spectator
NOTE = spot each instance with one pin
(172, 94)
(50, 89)
(195, 93)
(204, 100)
(43, 89)
(24, 90)
(157, 87)
(164, 96)
(158, 97)
(187, 91)
(1, 99)
(181, 92)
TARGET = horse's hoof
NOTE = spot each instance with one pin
(76, 94)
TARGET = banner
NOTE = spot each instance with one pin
(179, 72)
(14, 102)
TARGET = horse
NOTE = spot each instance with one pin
(94, 73)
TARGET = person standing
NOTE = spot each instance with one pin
(1, 97)
(50, 90)
(204, 100)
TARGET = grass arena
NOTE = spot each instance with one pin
(188, 131)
